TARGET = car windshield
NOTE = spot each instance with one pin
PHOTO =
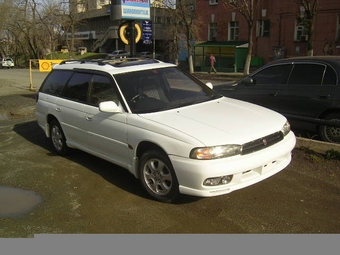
(162, 89)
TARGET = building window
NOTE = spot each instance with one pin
(213, 1)
(233, 31)
(263, 28)
(212, 31)
(167, 20)
(158, 20)
(301, 33)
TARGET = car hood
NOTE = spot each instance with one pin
(222, 121)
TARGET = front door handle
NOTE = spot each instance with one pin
(324, 96)
(88, 118)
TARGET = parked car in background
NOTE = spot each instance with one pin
(167, 128)
(118, 54)
(306, 90)
(7, 63)
(149, 54)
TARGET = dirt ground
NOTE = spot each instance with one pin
(84, 194)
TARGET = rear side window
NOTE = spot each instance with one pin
(55, 82)
(307, 74)
(277, 74)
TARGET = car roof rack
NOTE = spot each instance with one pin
(118, 62)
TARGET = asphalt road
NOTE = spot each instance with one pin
(84, 194)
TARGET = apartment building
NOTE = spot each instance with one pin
(278, 30)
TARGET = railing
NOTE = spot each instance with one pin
(111, 33)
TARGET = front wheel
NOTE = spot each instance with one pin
(328, 133)
(58, 138)
(158, 177)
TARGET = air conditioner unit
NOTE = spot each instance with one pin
(304, 38)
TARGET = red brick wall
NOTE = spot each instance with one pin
(282, 15)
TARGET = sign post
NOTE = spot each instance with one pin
(130, 10)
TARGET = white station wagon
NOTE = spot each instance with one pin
(170, 130)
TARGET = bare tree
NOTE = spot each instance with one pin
(307, 15)
(4, 35)
(247, 8)
(23, 29)
(185, 22)
(50, 18)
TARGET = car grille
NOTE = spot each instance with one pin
(262, 143)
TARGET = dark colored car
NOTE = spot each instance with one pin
(305, 89)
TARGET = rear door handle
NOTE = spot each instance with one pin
(324, 96)
(88, 118)
(58, 109)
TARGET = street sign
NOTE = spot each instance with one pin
(130, 9)
(147, 31)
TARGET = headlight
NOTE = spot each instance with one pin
(216, 152)
(285, 129)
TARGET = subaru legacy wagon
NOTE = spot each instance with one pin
(168, 129)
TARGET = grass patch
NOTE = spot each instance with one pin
(332, 154)
(88, 55)
(315, 156)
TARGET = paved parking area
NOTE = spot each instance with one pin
(84, 194)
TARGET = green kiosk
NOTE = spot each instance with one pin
(230, 56)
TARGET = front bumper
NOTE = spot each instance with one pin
(246, 170)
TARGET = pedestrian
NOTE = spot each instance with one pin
(212, 63)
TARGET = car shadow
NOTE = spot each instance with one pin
(114, 174)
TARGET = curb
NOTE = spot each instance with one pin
(318, 146)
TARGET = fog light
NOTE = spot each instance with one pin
(218, 180)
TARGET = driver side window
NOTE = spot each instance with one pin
(102, 90)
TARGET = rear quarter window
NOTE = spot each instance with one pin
(55, 82)
(330, 77)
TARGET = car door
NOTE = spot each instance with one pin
(265, 86)
(69, 108)
(106, 132)
(309, 90)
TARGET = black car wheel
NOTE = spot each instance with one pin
(58, 138)
(328, 133)
(158, 177)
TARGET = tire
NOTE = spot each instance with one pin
(158, 177)
(330, 134)
(58, 139)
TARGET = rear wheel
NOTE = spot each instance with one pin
(158, 177)
(58, 138)
(328, 133)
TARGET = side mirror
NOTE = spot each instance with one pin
(109, 106)
(209, 84)
(248, 81)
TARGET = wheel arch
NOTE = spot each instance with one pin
(142, 148)
(50, 117)
(327, 112)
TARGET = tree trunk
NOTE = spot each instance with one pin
(250, 50)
